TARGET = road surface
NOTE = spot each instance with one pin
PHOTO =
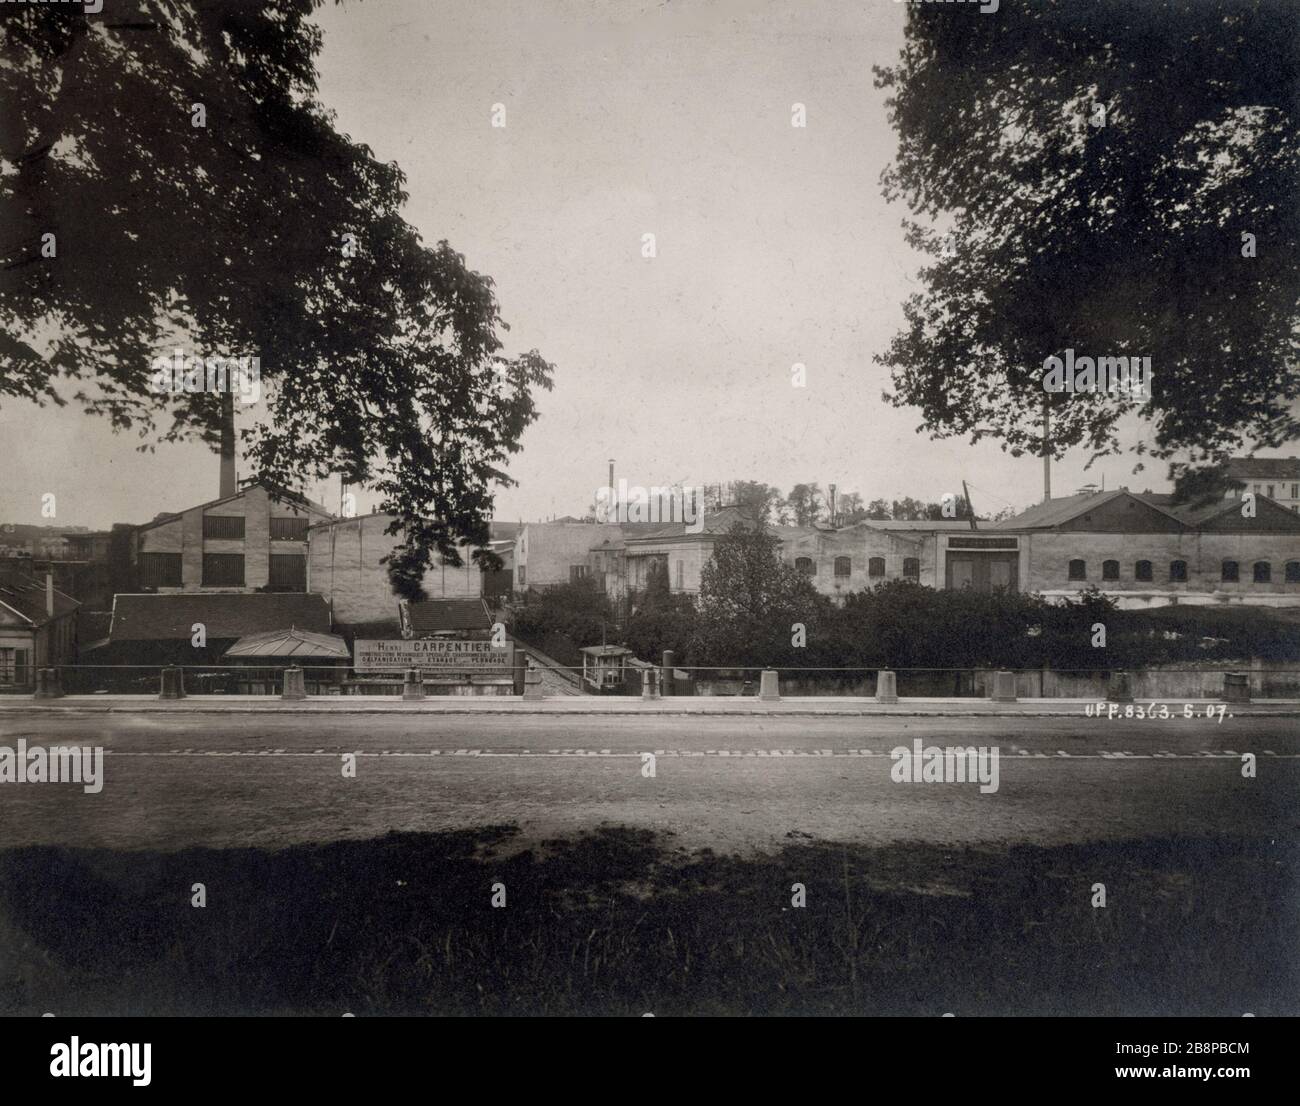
(732, 784)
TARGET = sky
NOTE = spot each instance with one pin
(773, 247)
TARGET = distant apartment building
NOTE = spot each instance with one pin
(346, 565)
(244, 542)
(1276, 477)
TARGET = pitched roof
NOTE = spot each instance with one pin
(434, 616)
(291, 643)
(1054, 511)
(172, 617)
(1264, 468)
(291, 496)
(25, 595)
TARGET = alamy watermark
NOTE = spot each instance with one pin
(950, 764)
(81, 764)
(1115, 375)
(237, 375)
(637, 504)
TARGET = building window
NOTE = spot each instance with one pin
(1231, 572)
(805, 566)
(911, 568)
(1178, 572)
(1110, 570)
(1078, 570)
(223, 570)
(223, 527)
(160, 570)
(288, 572)
(1270, 491)
(577, 572)
(1142, 571)
(1293, 572)
(288, 529)
(843, 566)
(1263, 572)
(1295, 491)
(876, 566)
(523, 575)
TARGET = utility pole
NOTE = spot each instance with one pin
(969, 506)
(1047, 454)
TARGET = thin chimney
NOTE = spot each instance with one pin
(49, 594)
(228, 482)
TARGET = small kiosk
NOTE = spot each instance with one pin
(606, 669)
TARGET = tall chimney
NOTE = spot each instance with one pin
(49, 594)
(228, 483)
(832, 487)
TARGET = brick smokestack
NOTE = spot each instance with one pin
(49, 595)
(228, 483)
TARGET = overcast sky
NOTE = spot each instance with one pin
(628, 117)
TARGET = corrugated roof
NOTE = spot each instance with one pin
(172, 617)
(434, 616)
(291, 643)
(26, 595)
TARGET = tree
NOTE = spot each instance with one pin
(804, 504)
(200, 197)
(749, 600)
(579, 610)
(879, 510)
(758, 502)
(849, 509)
(1112, 178)
(660, 619)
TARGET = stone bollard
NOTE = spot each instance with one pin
(649, 683)
(666, 683)
(1120, 688)
(1236, 687)
(294, 687)
(49, 685)
(413, 685)
(769, 686)
(173, 683)
(533, 685)
(1004, 687)
(886, 687)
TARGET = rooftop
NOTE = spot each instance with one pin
(172, 617)
(437, 616)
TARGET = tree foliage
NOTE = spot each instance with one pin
(263, 232)
(1084, 176)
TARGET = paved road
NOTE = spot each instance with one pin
(729, 783)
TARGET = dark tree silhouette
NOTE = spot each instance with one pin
(199, 196)
(1086, 176)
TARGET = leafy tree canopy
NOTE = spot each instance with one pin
(1085, 176)
(201, 197)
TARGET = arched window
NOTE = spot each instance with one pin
(1110, 570)
(1293, 572)
(805, 565)
(1178, 572)
(911, 568)
(1142, 570)
(876, 566)
(1078, 570)
(843, 566)
(1263, 572)
(1231, 572)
